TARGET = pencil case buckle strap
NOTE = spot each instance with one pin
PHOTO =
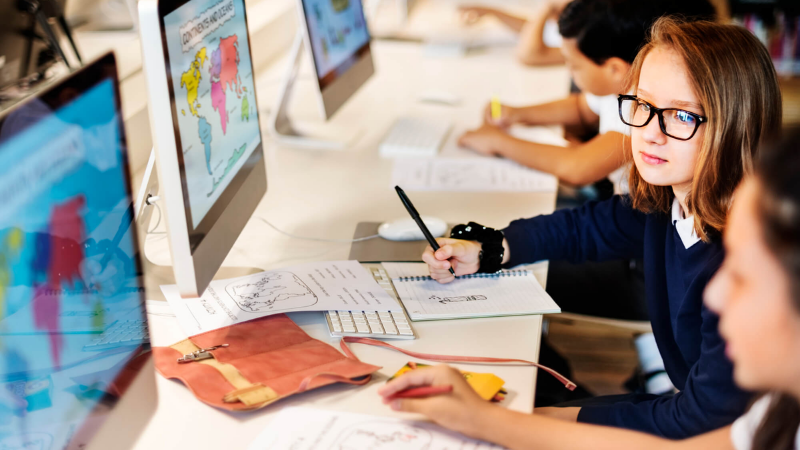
(454, 359)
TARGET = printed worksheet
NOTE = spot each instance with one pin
(469, 175)
(315, 429)
(319, 286)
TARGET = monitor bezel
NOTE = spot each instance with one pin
(337, 86)
(83, 79)
(198, 234)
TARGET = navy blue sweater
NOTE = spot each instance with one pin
(685, 330)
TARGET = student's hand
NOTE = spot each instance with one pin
(508, 116)
(472, 14)
(486, 140)
(456, 410)
(462, 256)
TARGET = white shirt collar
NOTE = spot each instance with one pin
(683, 225)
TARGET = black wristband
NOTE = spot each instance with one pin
(492, 252)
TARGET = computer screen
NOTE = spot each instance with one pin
(338, 34)
(211, 79)
(69, 268)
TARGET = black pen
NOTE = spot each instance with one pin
(415, 215)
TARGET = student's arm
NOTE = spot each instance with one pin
(579, 165)
(463, 411)
(708, 401)
(572, 110)
(531, 49)
(473, 13)
(597, 231)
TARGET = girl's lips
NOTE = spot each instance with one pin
(650, 159)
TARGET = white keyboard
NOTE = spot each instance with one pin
(412, 136)
(121, 333)
(382, 324)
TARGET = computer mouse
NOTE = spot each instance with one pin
(407, 229)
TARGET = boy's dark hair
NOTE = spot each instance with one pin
(609, 28)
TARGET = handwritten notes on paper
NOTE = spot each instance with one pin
(314, 429)
(469, 175)
(318, 286)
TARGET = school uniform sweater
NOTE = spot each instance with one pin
(685, 330)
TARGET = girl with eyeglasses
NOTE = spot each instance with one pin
(703, 98)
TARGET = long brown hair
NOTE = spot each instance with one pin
(779, 214)
(734, 79)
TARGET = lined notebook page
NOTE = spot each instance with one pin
(514, 292)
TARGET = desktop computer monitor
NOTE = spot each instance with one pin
(69, 267)
(204, 123)
(335, 34)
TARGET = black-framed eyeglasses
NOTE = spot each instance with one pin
(676, 123)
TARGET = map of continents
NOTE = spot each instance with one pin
(224, 76)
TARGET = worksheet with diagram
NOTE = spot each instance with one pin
(304, 428)
(318, 286)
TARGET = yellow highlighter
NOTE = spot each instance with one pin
(497, 109)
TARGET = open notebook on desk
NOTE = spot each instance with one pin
(506, 293)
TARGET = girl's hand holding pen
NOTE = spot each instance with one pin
(455, 410)
(462, 256)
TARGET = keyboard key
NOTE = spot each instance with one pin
(407, 332)
(403, 326)
(349, 328)
(371, 315)
(359, 320)
(337, 327)
(390, 329)
(400, 320)
(376, 328)
(333, 313)
(384, 314)
(362, 328)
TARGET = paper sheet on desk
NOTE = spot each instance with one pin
(311, 429)
(469, 175)
(319, 286)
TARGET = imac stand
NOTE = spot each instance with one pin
(281, 126)
(157, 275)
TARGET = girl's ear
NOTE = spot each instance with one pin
(617, 69)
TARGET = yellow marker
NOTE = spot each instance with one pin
(497, 109)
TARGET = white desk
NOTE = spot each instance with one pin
(324, 194)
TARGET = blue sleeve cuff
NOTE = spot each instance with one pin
(520, 244)
(596, 415)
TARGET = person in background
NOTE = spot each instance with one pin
(539, 40)
(756, 294)
(693, 139)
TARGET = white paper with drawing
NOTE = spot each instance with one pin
(469, 175)
(507, 293)
(305, 428)
(317, 286)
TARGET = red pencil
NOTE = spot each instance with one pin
(425, 391)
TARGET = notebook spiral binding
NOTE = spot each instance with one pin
(501, 274)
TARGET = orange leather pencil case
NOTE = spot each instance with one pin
(252, 364)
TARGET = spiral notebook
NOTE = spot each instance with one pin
(506, 293)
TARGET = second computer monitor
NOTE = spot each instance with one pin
(206, 134)
(337, 37)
